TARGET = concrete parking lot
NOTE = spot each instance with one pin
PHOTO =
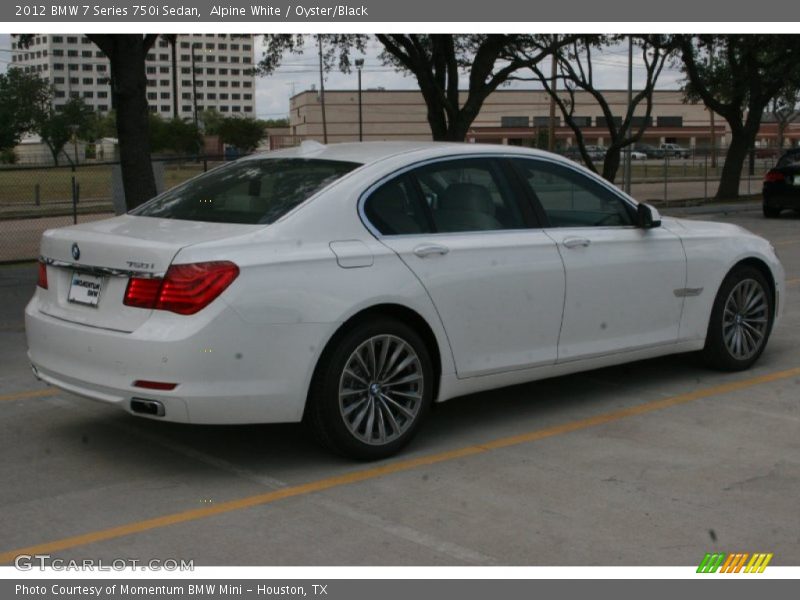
(652, 463)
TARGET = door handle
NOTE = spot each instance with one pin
(424, 250)
(576, 242)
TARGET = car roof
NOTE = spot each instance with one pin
(371, 152)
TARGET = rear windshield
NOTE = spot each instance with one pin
(790, 159)
(248, 191)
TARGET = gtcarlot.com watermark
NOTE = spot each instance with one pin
(42, 562)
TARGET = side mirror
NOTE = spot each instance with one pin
(647, 217)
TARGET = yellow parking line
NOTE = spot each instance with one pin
(786, 242)
(31, 394)
(794, 281)
(387, 469)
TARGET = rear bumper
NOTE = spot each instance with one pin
(228, 371)
(781, 197)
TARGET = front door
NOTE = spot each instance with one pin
(621, 280)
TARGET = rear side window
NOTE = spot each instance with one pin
(395, 210)
(468, 195)
(247, 192)
(790, 159)
(463, 195)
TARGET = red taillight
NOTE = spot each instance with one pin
(154, 385)
(185, 289)
(142, 293)
(774, 177)
(42, 283)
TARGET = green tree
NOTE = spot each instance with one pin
(57, 127)
(439, 62)
(275, 122)
(21, 97)
(105, 125)
(244, 134)
(126, 54)
(211, 119)
(736, 76)
(174, 135)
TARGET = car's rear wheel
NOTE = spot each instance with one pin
(741, 320)
(771, 212)
(372, 390)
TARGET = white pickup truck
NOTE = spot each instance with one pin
(675, 150)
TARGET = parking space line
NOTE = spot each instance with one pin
(389, 468)
(30, 394)
(794, 281)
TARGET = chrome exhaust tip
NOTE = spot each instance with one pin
(141, 406)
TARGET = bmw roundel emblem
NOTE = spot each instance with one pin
(76, 252)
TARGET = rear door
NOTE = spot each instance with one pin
(622, 282)
(495, 277)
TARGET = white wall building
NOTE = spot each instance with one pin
(223, 77)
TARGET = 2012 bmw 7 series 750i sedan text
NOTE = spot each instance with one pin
(353, 285)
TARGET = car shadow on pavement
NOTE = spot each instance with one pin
(289, 449)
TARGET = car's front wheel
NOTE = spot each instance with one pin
(741, 320)
(771, 212)
(372, 390)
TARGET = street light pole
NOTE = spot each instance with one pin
(359, 66)
(194, 87)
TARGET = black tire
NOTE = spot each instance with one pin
(771, 212)
(717, 352)
(325, 408)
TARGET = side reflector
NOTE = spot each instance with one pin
(154, 385)
(42, 283)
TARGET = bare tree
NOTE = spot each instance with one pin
(785, 108)
(736, 76)
(576, 72)
(440, 63)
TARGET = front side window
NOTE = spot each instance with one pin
(247, 192)
(571, 199)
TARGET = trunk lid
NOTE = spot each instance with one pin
(105, 254)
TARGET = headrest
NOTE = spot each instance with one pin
(470, 197)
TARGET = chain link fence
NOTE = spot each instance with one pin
(684, 177)
(36, 198)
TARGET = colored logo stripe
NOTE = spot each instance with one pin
(758, 563)
(711, 563)
(734, 562)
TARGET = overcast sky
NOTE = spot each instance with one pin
(300, 72)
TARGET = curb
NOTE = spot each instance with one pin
(712, 209)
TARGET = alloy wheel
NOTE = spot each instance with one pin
(745, 319)
(381, 389)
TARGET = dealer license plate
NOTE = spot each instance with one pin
(85, 289)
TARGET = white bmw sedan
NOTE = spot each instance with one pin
(353, 285)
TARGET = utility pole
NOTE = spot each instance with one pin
(551, 131)
(359, 66)
(629, 147)
(322, 93)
